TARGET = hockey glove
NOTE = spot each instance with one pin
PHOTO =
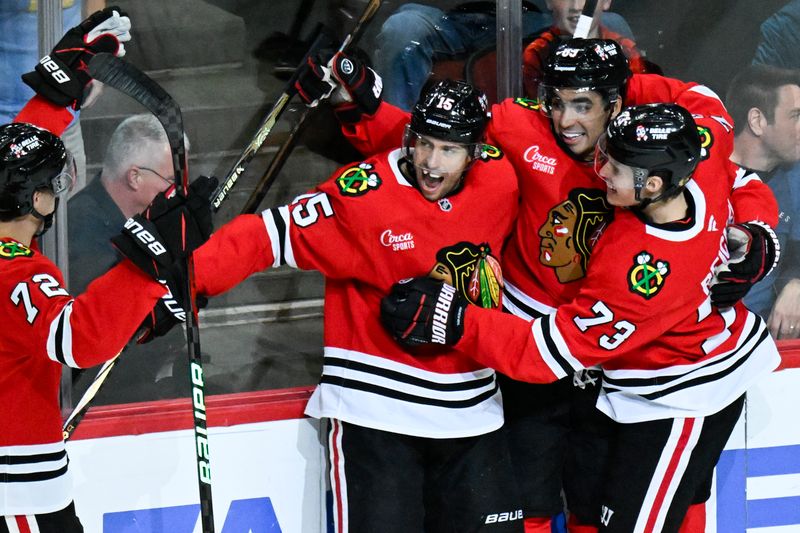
(424, 311)
(314, 82)
(169, 229)
(362, 85)
(62, 76)
(754, 252)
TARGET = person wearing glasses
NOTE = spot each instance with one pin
(137, 166)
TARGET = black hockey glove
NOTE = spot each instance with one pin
(314, 82)
(362, 84)
(754, 252)
(171, 309)
(424, 311)
(169, 229)
(62, 76)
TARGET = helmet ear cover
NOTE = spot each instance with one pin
(31, 159)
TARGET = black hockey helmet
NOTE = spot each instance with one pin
(452, 111)
(592, 64)
(31, 159)
(655, 139)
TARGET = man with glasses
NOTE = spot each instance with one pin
(137, 166)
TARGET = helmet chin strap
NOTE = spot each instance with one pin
(47, 220)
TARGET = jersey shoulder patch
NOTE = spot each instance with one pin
(527, 103)
(358, 180)
(10, 249)
(490, 152)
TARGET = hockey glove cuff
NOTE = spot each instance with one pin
(362, 84)
(62, 76)
(754, 251)
(423, 310)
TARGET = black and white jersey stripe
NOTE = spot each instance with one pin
(690, 390)
(362, 388)
(34, 478)
(277, 223)
(520, 304)
(59, 338)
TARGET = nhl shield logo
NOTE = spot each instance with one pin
(646, 277)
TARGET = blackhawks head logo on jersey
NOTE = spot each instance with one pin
(570, 232)
(472, 270)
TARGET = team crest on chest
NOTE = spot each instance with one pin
(646, 277)
(570, 232)
(473, 271)
(358, 180)
(12, 249)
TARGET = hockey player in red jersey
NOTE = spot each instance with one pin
(51, 328)
(675, 368)
(413, 442)
(557, 437)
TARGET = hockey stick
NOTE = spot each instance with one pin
(585, 20)
(278, 160)
(263, 130)
(82, 406)
(130, 80)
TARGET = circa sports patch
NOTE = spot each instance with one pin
(646, 277)
(358, 180)
(12, 249)
(527, 103)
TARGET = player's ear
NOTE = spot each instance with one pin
(654, 185)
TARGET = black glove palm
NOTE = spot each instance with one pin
(754, 252)
(424, 311)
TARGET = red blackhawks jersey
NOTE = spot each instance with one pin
(365, 229)
(643, 313)
(46, 328)
(563, 210)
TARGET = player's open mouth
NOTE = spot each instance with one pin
(431, 181)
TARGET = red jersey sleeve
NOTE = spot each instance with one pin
(380, 132)
(43, 113)
(80, 331)
(311, 233)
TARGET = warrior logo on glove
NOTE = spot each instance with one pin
(472, 271)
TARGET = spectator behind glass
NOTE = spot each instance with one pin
(136, 167)
(778, 296)
(565, 19)
(416, 35)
